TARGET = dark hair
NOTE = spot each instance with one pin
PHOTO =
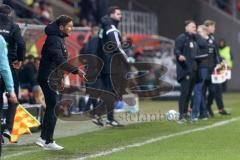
(112, 9)
(30, 57)
(209, 23)
(187, 22)
(5, 9)
(63, 20)
(222, 40)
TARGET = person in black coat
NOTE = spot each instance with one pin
(16, 52)
(185, 51)
(204, 62)
(109, 46)
(28, 74)
(54, 56)
(91, 48)
(214, 90)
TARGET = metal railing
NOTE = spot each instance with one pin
(139, 23)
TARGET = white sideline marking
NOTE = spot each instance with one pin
(118, 149)
(18, 154)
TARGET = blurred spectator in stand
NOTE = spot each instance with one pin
(36, 7)
(81, 40)
(226, 54)
(8, 2)
(28, 75)
(91, 48)
(238, 5)
(49, 8)
(44, 11)
(102, 6)
(238, 8)
(28, 2)
(127, 45)
(88, 11)
(32, 49)
(224, 5)
(36, 63)
(84, 23)
(37, 91)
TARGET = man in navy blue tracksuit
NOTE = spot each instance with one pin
(206, 60)
(185, 50)
(110, 46)
(215, 90)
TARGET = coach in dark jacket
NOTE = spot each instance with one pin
(109, 42)
(16, 52)
(12, 35)
(185, 51)
(108, 47)
(214, 90)
(54, 56)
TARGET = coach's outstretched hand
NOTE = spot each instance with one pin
(181, 58)
(17, 64)
(81, 73)
(12, 97)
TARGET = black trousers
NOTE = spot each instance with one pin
(186, 89)
(11, 107)
(91, 101)
(215, 92)
(50, 119)
(107, 86)
(106, 93)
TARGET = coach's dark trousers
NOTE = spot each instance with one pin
(107, 83)
(215, 92)
(50, 119)
(11, 107)
(186, 89)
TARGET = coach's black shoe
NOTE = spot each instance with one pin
(210, 112)
(224, 112)
(2, 140)
(182, 121)
(113, 123)
(98, 121)
(183, 118)
(7, 134)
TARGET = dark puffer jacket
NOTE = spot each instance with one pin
(186, 45)
(54, 54)
(12, 35)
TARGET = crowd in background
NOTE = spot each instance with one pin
(231, 7)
